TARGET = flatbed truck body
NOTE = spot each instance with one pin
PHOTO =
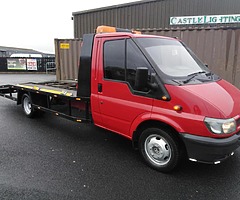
(150, 89)
(58, 97)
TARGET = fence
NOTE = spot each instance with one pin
(10, 64)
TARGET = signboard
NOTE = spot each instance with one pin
(205, 19)
(64, 45)
(16, 64)
(31, 64)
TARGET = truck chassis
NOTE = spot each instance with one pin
(58, 98)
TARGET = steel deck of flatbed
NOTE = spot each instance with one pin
(62, 90)
(41, 88)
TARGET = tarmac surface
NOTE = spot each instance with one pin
(53, 158)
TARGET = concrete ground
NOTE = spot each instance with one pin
(53, 158)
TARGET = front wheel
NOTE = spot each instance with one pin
(27, 106)
(160, 149)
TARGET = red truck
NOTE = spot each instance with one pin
(150, 89)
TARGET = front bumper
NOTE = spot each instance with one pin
(210, 150)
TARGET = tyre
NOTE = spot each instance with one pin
(160, 149)
(27, 106)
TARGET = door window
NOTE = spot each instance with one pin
(114, 60)
(121, 60)
(135, 59)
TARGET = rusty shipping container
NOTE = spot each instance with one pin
(218, 47)
(67, 52)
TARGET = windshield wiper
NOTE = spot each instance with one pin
(193, 75)
(176, 81)
(197, 73)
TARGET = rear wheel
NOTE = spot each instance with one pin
(160, 149)
(27, 106)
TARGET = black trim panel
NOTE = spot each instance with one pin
(210, 150)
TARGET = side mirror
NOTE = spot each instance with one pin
(153, 85)
(141, 79)
(206, 65)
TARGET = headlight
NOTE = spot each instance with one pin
(220, 126)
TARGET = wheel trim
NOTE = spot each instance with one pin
(157, 150)
(27, 106)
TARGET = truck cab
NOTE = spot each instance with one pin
(156, 92)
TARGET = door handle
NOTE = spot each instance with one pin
(99, 87)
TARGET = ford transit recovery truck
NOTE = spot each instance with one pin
(150, 89)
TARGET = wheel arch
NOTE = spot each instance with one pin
(38, 99)
(152, 123)
(20, 95)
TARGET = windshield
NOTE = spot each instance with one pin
(171, 57)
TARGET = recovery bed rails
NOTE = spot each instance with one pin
(59, 98)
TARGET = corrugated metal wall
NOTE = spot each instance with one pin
(149, 14)
(219, 48)
(67, 52)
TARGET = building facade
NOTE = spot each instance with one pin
(157, 14)
(211, 28)
(8, 51)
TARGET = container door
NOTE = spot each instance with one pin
(119, 101)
